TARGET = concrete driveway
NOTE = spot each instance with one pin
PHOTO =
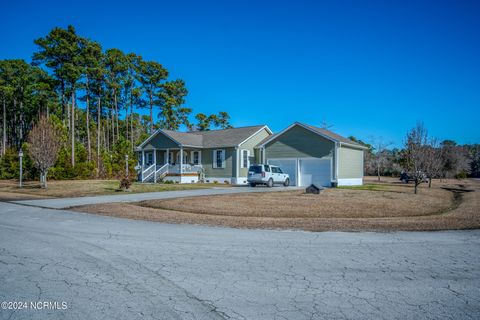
(107, 268)
(64, 203)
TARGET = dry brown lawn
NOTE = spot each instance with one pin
(381, 206)
(9, 189)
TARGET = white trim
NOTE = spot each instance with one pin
(264, 127)
(350, 182)
(182, 179)
(219, 180)
(214, 159)
(352, 146)
(193, 157)
(240, 181)
(237, 166)
(242, 158)
(337, 161)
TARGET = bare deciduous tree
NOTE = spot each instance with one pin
(379, 157)
(44, 144)
(434, 160)
(416, 154)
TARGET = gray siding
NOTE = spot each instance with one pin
(207, 162)
(299, 142)
(160, 141)
(250, 145)
(350, 163)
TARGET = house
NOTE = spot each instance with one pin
(221, 156)
(308, 154)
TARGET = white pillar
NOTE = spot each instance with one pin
(155, 157)
(143, 163)
(237, 167)
(181, 163)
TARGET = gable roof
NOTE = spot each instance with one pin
(320, 131)
(212, 138)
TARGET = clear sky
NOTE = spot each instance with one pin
(369, 68)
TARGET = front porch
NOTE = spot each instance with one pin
(180, 165)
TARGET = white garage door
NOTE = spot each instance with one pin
(316, 171)
(288, 166)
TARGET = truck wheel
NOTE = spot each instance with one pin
(287, 182)
(270, 183)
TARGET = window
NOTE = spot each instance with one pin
(149, 158)
(255, 169)
(279, 170)
(185, 157)
(219, 158)
(267, 168)
(245, 158)
(196, 157)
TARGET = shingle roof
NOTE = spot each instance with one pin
(185, 138)
(214, 138)
(332, 135)
(321, 131)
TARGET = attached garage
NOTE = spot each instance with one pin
(312, 155)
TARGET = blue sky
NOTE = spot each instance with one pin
(369, 68)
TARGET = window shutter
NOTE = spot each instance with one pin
(223, 158)
(214, 158)
(248, 158)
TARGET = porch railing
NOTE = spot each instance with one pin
(147, 173)
(186, 168)
(161, 172)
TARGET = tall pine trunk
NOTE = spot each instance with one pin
(4, 137)
(72, 116)
(89, 146)
(115, 124)
(99, 121)
(131, 121)
(151, 113)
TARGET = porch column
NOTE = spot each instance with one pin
(167, 159)
(181, 163)
(143, 163)
(155, 157)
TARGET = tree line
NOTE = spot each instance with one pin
(96, 98)
(422, 157)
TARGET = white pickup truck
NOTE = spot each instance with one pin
(267, 175)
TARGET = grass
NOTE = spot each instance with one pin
(369, 187)
(383, 206)
(9, 189)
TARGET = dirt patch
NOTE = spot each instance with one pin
(332, 203)
(336, 209)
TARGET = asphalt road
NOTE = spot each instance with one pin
(108, 268)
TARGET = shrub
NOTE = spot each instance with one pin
(461, 175)
(125, 184)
